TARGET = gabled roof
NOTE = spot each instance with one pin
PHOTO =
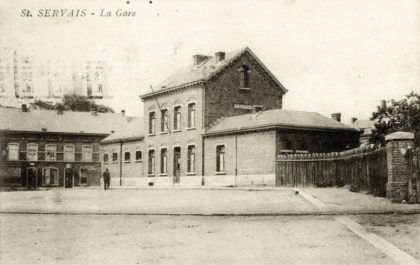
(13, 119)
(202, 72)
(277, 119)
(131, 131)
(363, 124)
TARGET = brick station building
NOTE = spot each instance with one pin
(220, 121)
(40, 149)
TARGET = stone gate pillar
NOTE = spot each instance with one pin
(397, 146)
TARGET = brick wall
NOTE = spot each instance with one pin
(182, 138)
(249, 159)
(223, 91)
(397, 186)
(132, 173)
(59, 140)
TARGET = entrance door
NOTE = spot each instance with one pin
(31, 178)
(68, 178)
(177, 164)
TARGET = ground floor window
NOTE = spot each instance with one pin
(151, 164)
(50, 176)
(138, 155)
(163, 161)
(127, 156)
(191, 159)
(220, 158)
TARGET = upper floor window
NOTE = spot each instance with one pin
(191, 159)
(152, 122)
(87, 152)
(69, 152)
(114, 157)
(106, 158)
(50, 152)
(13, 151)
(163, 161)
(127, 156)
(32, 152)
(191, 115)
(138, 155)
(177, 118)
(220, 158)
(151, 164)
(244, 76)
(164, 123)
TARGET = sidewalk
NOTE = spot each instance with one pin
(245, 201)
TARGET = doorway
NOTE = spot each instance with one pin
(32, 178)
(177, 164)
(68, 178)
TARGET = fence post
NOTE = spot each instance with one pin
(397, 146)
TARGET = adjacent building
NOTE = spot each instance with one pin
(51, 149)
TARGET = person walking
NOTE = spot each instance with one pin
(107, 179)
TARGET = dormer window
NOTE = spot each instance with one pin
(244, 76)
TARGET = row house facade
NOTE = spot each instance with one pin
(49, 149)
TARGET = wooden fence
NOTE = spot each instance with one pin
(363, 168)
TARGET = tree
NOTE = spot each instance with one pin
(393, 116)
(73, 102)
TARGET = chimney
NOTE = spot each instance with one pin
(200, 58)
(336, 116)
(24, 108)
(123, 112)
(220, 56)
(353, 119)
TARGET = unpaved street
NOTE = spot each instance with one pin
(111, 239)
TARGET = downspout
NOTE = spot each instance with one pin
(121, 158)
(236, 158)
(203, 99)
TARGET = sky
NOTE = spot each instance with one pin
(332, 55)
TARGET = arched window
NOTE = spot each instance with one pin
(127, 156)
(69, 152)
(138, 156)
(13, 151)
(106, 158)
(244, 76)
(32, 152)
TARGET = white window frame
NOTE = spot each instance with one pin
(103, 158)
(166, 124)
(84, 158)
(129, 158)
(112, 158)
(35, 157)
(9, 153)
(141, 155)
(219, 161)
(176, 120)
(47, 149)
(151, 164)
(189, 171)
(152, 129)
(163, 164)
(189, 125)
(65, 153)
